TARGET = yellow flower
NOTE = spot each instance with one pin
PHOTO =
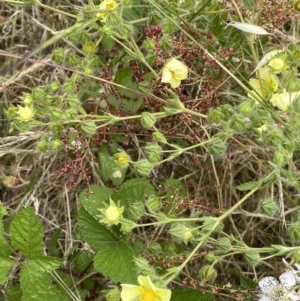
(262, 128)
(25, 113)
(107, 6)
(112, 214)
(89, 47)
(284, 100)
(147, 291)
(266, 84)
(173, 72)
(277, 64)
(121, 159)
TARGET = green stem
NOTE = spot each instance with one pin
(61, 12)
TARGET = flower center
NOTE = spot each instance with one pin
(112, 213)
(148, 295)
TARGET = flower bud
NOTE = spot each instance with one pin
(153, 151)
(72, 60)
(295, 256)
(166, 44)
(176, 103)
(159, 137)
(56, 114)
(112, 294)
(58, 55)
(38, 93)
(170, 248)
(247, 106)
(11, 112)
(89, 127)
(277, 64)
(268, 206)
(217, 147)
(223, 245)
(112, 214)
(148, 120)
(42, 145)
(252, 258)
(273, 136)
(69, 86)
(107, 30)
(149, 44)
(121, 159)
(25, 113)
(54, 86)
(155, 248)
(168, 27)
(143, 167)
(56, 144)
(154, 17)
(27, 99)
(237, 123)
(211, 224)
(215, 115)
(211, 257)
(294, 232)
(227, 111)
(208, 273)
(89, 47)
(125, 30)
(153, 203)
(291, 82)
(181, 232)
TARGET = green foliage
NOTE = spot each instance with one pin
(180, 134)
(27, 234)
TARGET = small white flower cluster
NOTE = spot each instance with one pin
(272, 289)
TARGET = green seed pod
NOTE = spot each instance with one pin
(247, 106)
(143, 167)
(252, 258)
(268, 206)
(223, 245)
(208, 273)
(148, 120)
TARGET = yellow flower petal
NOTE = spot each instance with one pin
(173, 72)
(147, 291)
(130, 292)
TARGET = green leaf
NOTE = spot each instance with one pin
(134, 11)
(124, 78)
(108, 43)
(94, 233)
(39, 286)
(5, 265)
(35, 267)
(115, 261)
(95, 201)
(131, 195)
(174, 187)
(52, 249)
(249, 185)
(108, 167)
(124, 105)
(4, 247)
(14, 293)
(3, 210)
(88, 89)
(179, 294)
(247, 283)
(27, 233)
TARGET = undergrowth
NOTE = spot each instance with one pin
(149, 150)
